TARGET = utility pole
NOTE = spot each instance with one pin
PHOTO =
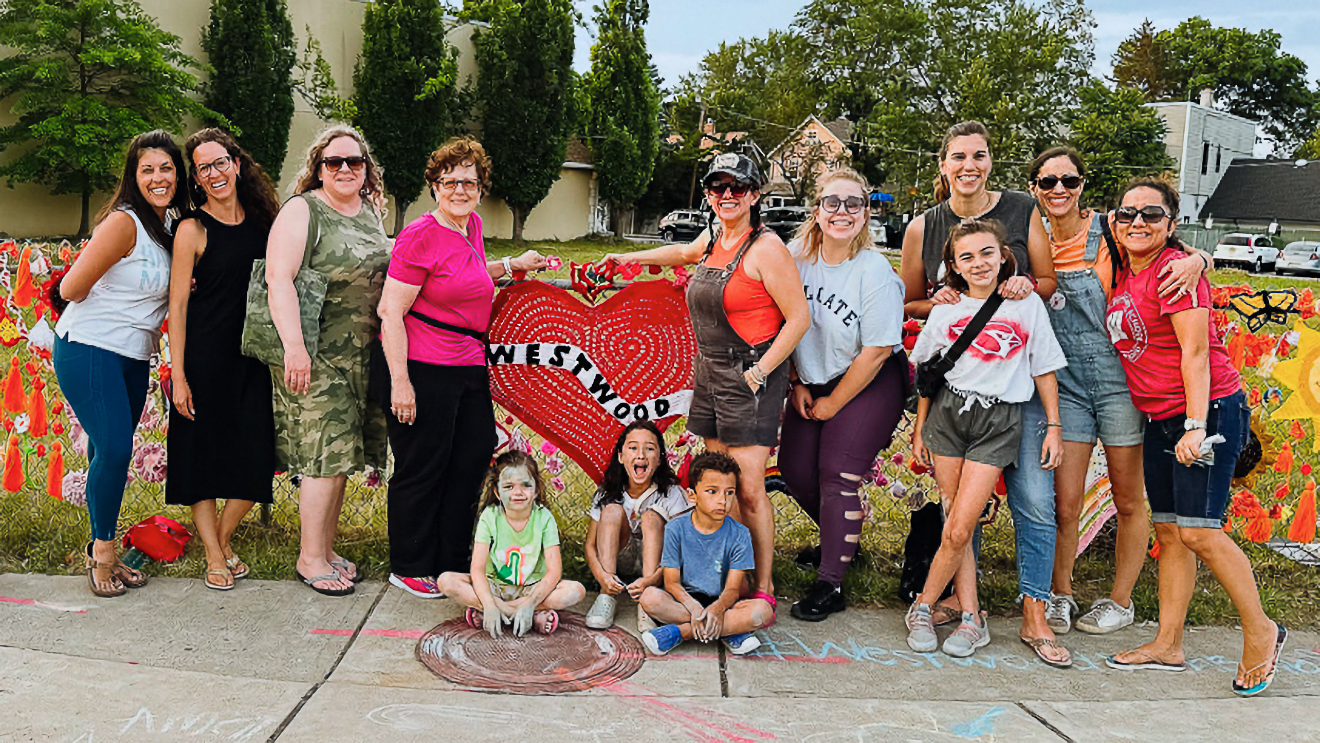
(701, 139)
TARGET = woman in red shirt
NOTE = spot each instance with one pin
(1181, 377)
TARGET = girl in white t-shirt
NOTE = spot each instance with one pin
(638, 495)
(972, 428)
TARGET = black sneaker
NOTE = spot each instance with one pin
(809, 558)
(821, 601)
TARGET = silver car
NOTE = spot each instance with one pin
(1302, 256)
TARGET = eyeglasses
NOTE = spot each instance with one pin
(1048, 182)
(453, 184)
(336, 164)
(852, 204)
(1148, 214)
(221, 164)
(737, 190)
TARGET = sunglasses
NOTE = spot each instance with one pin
(1048, 182)
(336, 164)
(852, 204)
(738, 190)
(1149, 214)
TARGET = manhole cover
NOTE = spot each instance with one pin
(572, 659)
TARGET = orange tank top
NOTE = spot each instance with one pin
(752, 311)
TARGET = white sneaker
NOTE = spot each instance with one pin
(1059, 613)
(921, 629)
(968, 637)
(601, 614)
(644, 621)
(1105, 616)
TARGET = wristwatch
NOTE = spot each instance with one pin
(1191, 424)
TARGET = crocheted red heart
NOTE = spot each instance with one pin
(577, 374)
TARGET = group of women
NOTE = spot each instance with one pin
(808, 335)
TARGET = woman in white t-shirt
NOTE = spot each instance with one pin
(972, 429)
(848, 375)
(638, 495)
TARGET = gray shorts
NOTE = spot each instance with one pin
(988, 435)
(1094, 401)
(725, 408)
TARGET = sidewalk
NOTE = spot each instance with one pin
(272, 660)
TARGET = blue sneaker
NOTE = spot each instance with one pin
(741, 644)
(662, 639)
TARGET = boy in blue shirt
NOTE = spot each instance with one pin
(705, 559)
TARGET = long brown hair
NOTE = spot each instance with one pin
(490, 495)
(961, 129)
(810, 232)
(128, 196)
(309, 177)
(977, 227)
(255, 192)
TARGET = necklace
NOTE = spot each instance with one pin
(977, 212)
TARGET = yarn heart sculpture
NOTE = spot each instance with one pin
(577, 374)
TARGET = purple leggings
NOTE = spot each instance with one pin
(823, 464)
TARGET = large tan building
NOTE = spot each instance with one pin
(571, 209)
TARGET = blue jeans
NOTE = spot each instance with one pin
(1196, 496)
(107, 392)
(1031, 498)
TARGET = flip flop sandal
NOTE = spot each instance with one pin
(237, 567)
(125, 575)
(1151, 663)
(115, 587)
(332, 575)
(1251, 691)
(218, 586)
(474, 618)
(343, 567)
(942, 614)
(545, 622)
(1038, 645)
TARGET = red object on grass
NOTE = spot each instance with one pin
(24, 290)
(37, 409)
(15, 398)
(160, 538)
(55, 472)
(1302, 528)
(13, 476)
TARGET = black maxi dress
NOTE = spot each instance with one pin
(229, 450)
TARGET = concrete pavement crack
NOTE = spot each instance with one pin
(1044, 722)
(288, 719)
(724, 669)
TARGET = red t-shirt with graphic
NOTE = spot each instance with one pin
(1140, 326)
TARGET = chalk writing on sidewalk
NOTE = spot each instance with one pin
(204, 724)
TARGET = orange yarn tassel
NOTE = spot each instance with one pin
(15, 399)
(1285, 461)
(1296, 431)
(13, 477)
(1259, 527)
(1302, 528)
(1155, 551)
(24, 290)
(37, 409)
(55, 472)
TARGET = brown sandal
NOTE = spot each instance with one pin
(1038, 644)
(115, 588)
(942, 614)
(125, 574)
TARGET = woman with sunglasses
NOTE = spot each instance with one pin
(432, 379)
(848, 376)
(962, 189)
(325, 429)
(1182, 378)
(748, 313)
(1094, 402)
(222, 427)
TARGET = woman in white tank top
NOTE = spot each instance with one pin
(117, 294)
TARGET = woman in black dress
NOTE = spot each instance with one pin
(222, 429)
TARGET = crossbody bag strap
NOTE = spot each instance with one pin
(974, 327)
(442, 325)
(1115, 256)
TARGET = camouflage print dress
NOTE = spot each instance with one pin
(332, 430)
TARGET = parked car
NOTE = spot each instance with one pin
(785, 220)
(682, 224)
(1302, 256)
(1255, 252)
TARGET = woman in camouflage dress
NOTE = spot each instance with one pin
(324, 428)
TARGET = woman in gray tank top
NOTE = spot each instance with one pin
(963, 191)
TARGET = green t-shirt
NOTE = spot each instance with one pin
(515, 556)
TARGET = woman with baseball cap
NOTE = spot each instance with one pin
(748, 312)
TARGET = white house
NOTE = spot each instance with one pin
(1202, 142)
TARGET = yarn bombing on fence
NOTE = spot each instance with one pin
(577, 374)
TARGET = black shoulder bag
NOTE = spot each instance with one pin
(931, 373)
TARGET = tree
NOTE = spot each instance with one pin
(250, 45)
(405, 92)
(624, 118)
(1119, 137)
(1310, 149)
(1142, 62)
(526, 96)
(80, 79)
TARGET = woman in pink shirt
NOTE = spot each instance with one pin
(1181, 377)
(434, 312)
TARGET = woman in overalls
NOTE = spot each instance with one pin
(1094, 402)
(748, 312)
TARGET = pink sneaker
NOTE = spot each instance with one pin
(424, 588)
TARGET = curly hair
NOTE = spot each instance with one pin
(810, 232)
(309, 177)
(977, 227)
(457, 152)
(490, 495)
(614, 483)
(255, 191)
(129, 196)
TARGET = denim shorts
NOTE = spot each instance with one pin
(725, 408)
(1195, 496)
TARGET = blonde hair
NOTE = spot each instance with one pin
(309, 177)
(810, 233)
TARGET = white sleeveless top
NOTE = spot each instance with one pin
(125, 308)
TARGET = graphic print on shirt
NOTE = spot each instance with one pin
(511, 571)
(831, 303)
(1000, 340)
(1126, 329)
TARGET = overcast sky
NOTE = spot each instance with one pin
(682, 31)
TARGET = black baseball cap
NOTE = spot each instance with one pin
(742, 168)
